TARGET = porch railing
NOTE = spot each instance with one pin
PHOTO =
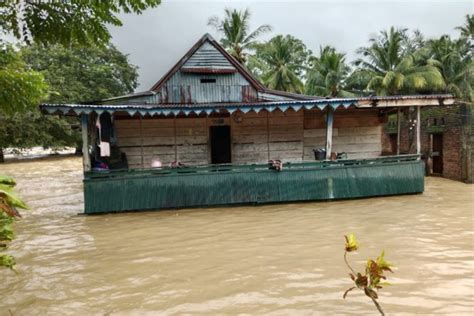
(235, 168)
(127, 190)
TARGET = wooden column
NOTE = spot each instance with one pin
(141, 141)
(208, 137)
(231, 125)
(268, 134)
(429, 158)
(175, 140)
(399, 123)
(418, 131)
(329, 123)
(86, 159)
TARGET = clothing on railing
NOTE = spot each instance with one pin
(105, 130)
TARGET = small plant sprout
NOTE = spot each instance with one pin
(371, 281)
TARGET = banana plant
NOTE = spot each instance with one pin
(371, 281)
(9, 205)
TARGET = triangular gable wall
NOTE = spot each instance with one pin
(207, 59)
(207, 73)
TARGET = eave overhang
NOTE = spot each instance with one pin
(207, 109)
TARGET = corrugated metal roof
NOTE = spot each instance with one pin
(128, 96)
(296, 105)
(207, 57)
(234, 84)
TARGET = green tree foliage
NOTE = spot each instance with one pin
(9, 203)
(455, 62)
(66, 22)
(467, 30)
(281, 63)
(70, 23)
(395, 65)
(357, 81)
(327, 74)
(237, 39)
(23, 130)
(21, 87)
(21, 90)
(82, 74)
(74, 75)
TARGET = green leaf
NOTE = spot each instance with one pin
(7, 181)
(11, 198)
(6, 231)
(7, 261)
(382, 264)
(67, 22)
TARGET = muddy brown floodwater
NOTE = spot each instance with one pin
(284, 259)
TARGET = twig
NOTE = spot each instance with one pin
(348, 265)
(378, 306)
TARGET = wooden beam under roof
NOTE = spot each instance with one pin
(389, 102)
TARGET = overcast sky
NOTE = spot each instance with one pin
(157, 39)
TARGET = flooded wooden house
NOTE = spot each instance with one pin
(209, 133)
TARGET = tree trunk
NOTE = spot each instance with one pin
(2, 157)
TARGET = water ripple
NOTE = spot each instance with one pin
(274, 259)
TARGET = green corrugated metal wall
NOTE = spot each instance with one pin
(148, 190)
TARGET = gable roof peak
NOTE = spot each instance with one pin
(208, 38)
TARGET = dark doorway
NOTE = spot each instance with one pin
(393, 143)
(220, 144)
(437, 153)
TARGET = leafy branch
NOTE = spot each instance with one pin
(371, 281)
(9, 202)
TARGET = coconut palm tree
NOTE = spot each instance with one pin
(467, 30)
(281, 63)
(327, 74)
(455, 62)
(394, 68)
(237, 39)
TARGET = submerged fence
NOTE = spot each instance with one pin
(211, 185)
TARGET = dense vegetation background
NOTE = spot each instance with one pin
(396, 61)
(55, 68)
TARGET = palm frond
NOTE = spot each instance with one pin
(259, 31)
(376, 83)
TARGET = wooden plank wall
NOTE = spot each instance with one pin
(188, 144)
(256, 137)
(356, 132)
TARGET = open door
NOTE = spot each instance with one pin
(220, 144)
(437, 153)
(393, 143)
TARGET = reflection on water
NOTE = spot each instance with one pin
(278, 259)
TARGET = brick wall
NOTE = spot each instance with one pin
(453, 122)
